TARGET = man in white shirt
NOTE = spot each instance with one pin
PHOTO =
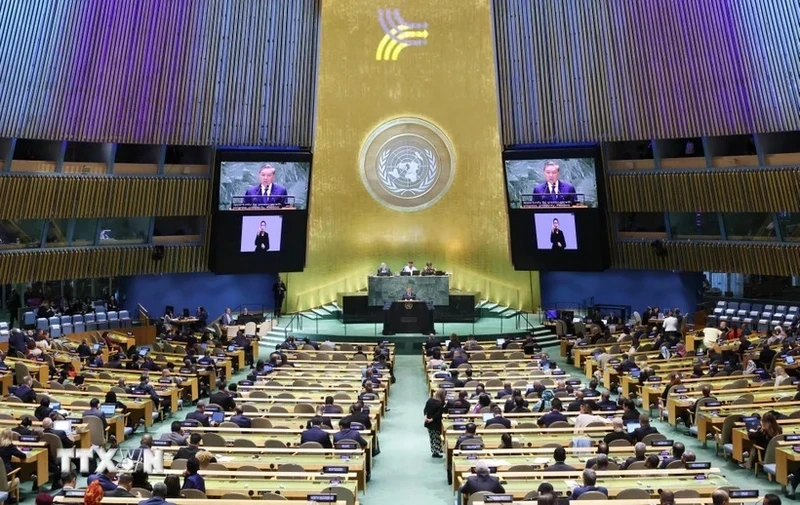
(586, 417)
(671, 329)
(710, 337)
(409, 268)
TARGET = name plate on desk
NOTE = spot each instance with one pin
(743, 493)
(498, 498)
(335, 469)
(321, 498)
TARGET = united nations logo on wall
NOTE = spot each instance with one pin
(407, 164)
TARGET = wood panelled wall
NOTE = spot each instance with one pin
(81, 263)
(692, 256)
(182, 72)
(589, 70)
(63, 196)
(740, 190)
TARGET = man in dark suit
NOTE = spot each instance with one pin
(677, 453)
(602, 448)
(506, 391)
(606, 401)
(575, 405)
(94, 410)
(223, 399)
(347, 433)
(279, 292)
(559, 455)
(554, 414)
(240, 419)
(124, 485)
(629, 411)
(454, 380)
(498, 418)
(557, 240)
(357, 415)
(469, 433)
(267, 192)
(553, 190)
(17, 342)
(481, 481)
(618, 432)
(47, 427)
(200, 415)
(316, 434)
(639, 451)
(191, 450)
(25, 390)
(644, 429)
(409, 294)
(175, 436)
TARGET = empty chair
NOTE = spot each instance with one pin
(593, 495)
(55, 331)
(213, 440)
(113, 319)
(687, 493)
(102, 321)
(633, 494)
(89, 322)
(235, 496)
(78, 326)
(42, 323)
(66, 324)
(269, 495)
(744, 309)
(124, 318)
(193, 494)
(243, 442)
(141, 492)
(54, 320)
(29, 319)
(343, 495)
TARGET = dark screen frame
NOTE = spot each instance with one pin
(225, 256)
(593, 253)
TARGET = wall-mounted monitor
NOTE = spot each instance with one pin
(556, 204)
(260, 218)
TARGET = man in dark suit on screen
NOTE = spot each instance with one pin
(553, 190)
(559, 243)
(409, 294)
(268, 192)
(262, 238)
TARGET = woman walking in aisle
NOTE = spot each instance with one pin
(434, 408)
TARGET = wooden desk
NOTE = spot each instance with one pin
(268, 460)
(614, 480)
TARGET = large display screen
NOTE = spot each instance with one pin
(551, 182)
(261, 212)
(556, 203)
(247, 185)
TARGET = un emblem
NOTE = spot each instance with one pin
(407, 164)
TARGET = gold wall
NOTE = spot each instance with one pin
(450, 82)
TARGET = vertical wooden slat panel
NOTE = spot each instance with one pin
(668, 69)
(185, 72)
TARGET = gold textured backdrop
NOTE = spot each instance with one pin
(450, 82)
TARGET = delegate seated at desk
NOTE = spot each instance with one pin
(409, 295)
(384, 271)
(409, 269)
(429, 269)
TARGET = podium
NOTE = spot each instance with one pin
(408, 317)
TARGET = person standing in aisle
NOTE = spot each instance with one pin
(434, 408)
